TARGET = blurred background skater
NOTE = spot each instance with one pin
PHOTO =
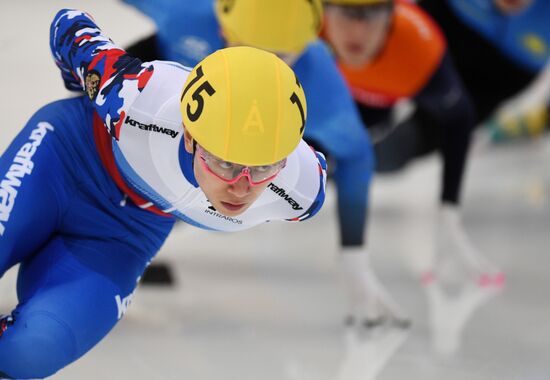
(396, 63)
(92, 185)
(501, 49)
(188, 30)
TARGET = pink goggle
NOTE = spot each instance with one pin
(231, 173)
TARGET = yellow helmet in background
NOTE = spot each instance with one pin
(282, 26)
(244, 105)
(356, 2)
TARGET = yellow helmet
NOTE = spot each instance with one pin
(282, 26)
(356, 2)
(244, 105)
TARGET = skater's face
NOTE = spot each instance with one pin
(229, 197)
(357, 33)
(510, 7)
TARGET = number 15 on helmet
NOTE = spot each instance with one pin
(244, 105)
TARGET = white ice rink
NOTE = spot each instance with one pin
(268, 304)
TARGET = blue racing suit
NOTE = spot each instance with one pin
(63, 218)
(89, 191)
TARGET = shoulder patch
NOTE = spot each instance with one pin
(92, 82)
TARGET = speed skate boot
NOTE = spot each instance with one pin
(457, 258)
(369, 302)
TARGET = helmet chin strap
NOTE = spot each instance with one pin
(194, 151)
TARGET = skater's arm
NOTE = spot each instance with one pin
(89, 61)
